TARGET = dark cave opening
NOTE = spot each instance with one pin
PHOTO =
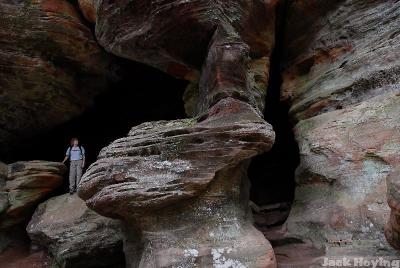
(140, 94)
(272, 173)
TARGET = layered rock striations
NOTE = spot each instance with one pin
(24, 186)
(181, 185)
(174, 35)
(50, 67)
(76, 236)
(342, 80)
(392, 228)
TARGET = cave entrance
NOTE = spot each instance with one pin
(141, 94)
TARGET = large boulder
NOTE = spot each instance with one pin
(342, 77)
(27, 183)
(76, 236)
(50, 67)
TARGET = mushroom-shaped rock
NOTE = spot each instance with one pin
(179, 183)
(164, 162)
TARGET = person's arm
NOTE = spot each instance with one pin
(65, 159)
(66, 156)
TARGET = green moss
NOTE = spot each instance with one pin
(173, 150)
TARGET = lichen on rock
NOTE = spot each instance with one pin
(181, 185)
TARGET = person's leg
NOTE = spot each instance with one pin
(78, 172)
(72, 176)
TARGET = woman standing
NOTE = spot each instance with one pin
(76, 155)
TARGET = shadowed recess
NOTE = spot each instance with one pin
(141, 94)
(272, 173)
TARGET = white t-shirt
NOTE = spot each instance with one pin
(76, 153)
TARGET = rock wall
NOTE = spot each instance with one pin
(50, 67)
(342, 79)
(392, 228)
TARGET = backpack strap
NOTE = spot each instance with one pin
(69, 152)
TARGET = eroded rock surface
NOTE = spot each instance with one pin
(174, 35)
(151, 178)
(88, 9)
(26, 184)
(392, 230)
(344, 53)
(50, 67)
(181, 185)
(76, 236)
(168, 161)
(342, 80)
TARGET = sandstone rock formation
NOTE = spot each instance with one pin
(25, 185)
(88, 9)
(174, 35)
(149, 178)
(342, 79)
(76, 236)
(50, 67)
(181, 185)
(392, 228)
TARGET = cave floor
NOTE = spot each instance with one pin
(19, 255)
